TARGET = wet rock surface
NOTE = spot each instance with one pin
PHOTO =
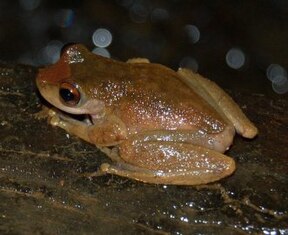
(43, 190)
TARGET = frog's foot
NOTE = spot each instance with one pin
(109, 132)
(94, 174)
(43, 114)
(69, 124)
(220, 100)
(170, 163)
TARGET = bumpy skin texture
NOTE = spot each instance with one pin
(163, 126)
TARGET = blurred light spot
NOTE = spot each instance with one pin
(29, 5)
(53, 51)
(102, 38)
(125, 3)
(274, 71)
(37, 25)
(190, 63)
(40, 57)
(101, 51)
(49, 54)
(159, 14)
(138, 12)
(278, 79)
(193, 33)
(64, 18)
(280, 84)
(235, 58)
(78, 32)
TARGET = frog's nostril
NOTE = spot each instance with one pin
(40, 82)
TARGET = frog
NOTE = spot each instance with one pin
(156, 125)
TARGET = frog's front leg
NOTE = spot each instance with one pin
(170, 163)
(107, 132)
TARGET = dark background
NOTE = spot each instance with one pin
(242, 45)
(33, 31)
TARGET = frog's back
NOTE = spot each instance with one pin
(157, 99)
(145, 96)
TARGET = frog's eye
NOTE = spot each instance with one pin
(69, 93)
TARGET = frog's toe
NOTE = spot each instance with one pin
(97, 173)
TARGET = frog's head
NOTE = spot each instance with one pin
(62, 88)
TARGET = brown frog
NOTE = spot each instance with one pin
(157, 125)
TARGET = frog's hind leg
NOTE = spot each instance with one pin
(170, 163)
(220, 100)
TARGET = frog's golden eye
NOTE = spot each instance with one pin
(69, 93)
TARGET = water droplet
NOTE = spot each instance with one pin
(184, 219)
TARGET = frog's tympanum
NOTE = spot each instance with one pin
(157, 125)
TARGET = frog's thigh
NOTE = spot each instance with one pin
(170, 163)
(221, 101)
